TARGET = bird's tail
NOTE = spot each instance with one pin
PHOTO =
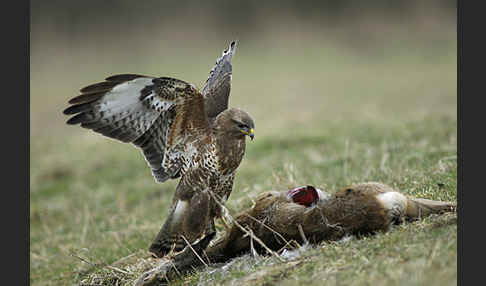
(187, 221)
(171, 241)
(167, 241)
(418, 208)
(170, 235)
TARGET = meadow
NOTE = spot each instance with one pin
(329, 111)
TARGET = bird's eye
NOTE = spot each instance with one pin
(241, 126)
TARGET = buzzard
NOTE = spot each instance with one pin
(182, 133)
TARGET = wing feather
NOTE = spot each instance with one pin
(142, 110)
(88, 97)
(218, 86)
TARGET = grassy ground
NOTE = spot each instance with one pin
(326, 114)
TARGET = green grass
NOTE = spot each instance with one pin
(325, 114)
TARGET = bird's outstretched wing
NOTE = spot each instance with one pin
(218, 85)
(158, 115)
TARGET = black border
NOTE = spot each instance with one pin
(26, 147)
(27, 124)
(471, 112)
(460, 238)
(15, 141)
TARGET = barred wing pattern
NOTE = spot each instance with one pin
(142, 110)
(217, 88)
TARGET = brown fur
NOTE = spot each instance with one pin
(351, 210)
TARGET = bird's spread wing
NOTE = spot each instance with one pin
(218, 85)
(158, 115)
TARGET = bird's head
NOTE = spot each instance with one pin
(238, 123)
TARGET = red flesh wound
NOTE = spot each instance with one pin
(305, 196)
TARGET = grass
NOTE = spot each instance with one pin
(325, 114)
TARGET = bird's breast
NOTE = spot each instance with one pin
(230, 154)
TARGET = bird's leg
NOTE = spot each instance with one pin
(224, 214)
(210, 228)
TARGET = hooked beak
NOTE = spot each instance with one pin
(251, 134)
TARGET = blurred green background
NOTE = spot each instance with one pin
(341, 91)
(303, 57)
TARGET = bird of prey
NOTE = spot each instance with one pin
(182, 133)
